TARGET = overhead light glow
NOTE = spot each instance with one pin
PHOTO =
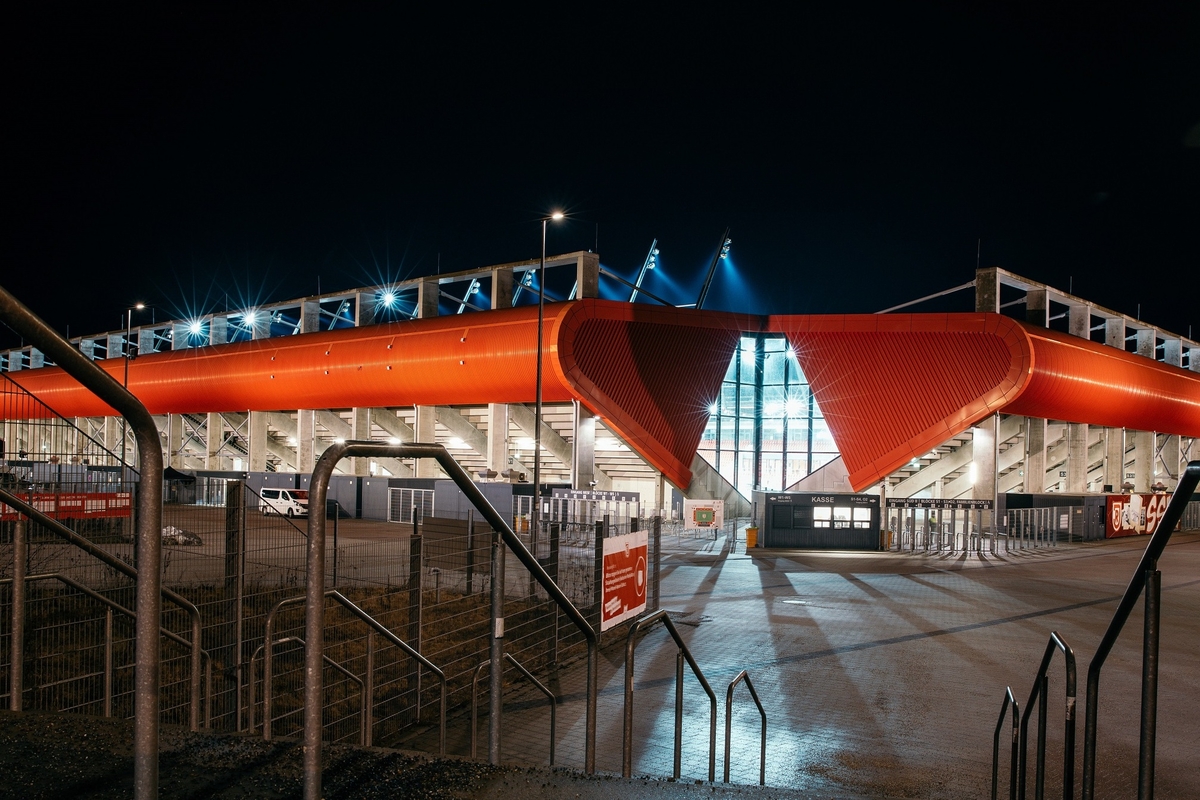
(556, 216)
(194, 327)
(393, 440)
(250, 316)
(388, 298)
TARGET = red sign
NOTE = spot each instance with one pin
(74, 505)
(625, 578)
(1133, 514)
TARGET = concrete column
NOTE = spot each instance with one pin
(1143, 459)
(1171, 452)
(1079, 321)
(218, 330)
(1077, 457)
(1114, 333)
(426, 432)
(112, 438)
(214, 435)
(257, 425)
(180, 335)
(116, 345)
(502, 288)
(587, 275)
(145, 339)
(88, 348)
(37, 359)
(360, 429)
(1035, 455)
(497, 432)
(583, 451)
(1194, 358)
(1037, 307)
(1114, 457)
(428, 293)
(984, 457)
(987, 290)
(306, 421)
(174, 454)
(364, 309)
(310, 318)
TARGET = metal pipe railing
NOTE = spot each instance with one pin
(541, 687)
(110, 607)
(1009, 702)
(366, 707)
(1148, 566)
(627, 737)
(1038, 695)
(315, 590)
(762, 759)
(147, 672)
(341, 599)
(63, 532)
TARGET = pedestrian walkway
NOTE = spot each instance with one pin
(883, 673)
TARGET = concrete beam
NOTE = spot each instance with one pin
(522, 416)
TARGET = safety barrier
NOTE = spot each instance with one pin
(681, 655)
(364, 721)
(1010, 702)
(1038, 695)
(541, 687)
(373, 625)
(762, 760)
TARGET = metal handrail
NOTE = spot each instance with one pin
(112, 605)
(377, 627)
(62, 531)
(364, 724)
(682, 654)
(1009, 702)
(762, 759)
(1038, 695)
(1147, 567)
(314, 617)
(148, 661)
(475, 702)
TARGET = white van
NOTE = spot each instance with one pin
(293, 502)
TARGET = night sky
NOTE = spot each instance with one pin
(857, 151)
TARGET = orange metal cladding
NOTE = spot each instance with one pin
(650, 372)
(893, 386)
(1076, 380)
(462, 359)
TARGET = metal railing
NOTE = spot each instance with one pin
(111, 607)
(1038, 695)
(268, 644)
(1146, 578)
(62, 531)
(148, 659)
(365, 708)
(680, 656)
(541, 687)
(762, 760)
(314, 618)
(1010, 702)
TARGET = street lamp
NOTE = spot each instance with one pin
(537, 412)
(125, 383)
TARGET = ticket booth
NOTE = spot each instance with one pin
(819, 521)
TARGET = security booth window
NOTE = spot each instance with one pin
(862, 517)
(822, 516)
(841, 516)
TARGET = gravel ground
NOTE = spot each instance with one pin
(65, 756)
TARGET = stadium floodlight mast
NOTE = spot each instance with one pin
(537, 411)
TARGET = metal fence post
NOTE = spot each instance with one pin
(228, 652)
(1149, 686)
(496, 678)
(414, 618)
(552, 571)
(17, 650)
(470, 550)
(656, 529)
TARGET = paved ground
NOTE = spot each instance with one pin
(883, 674)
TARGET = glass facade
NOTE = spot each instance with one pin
(765, 430)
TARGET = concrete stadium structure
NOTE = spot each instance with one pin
(1031, 389)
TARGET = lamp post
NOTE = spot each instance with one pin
(125, 382)
(534, 518)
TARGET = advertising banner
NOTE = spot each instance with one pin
(703, 514)
(1133, 514)
(625, 577)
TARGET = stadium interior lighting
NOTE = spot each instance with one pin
(725, 248)
(194, 327)
(388, 298)
(393, 440)
(793, 407)
(249, 316)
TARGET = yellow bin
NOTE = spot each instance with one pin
(751, 537)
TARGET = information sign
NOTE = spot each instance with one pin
(703, 514)
(624, 580)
